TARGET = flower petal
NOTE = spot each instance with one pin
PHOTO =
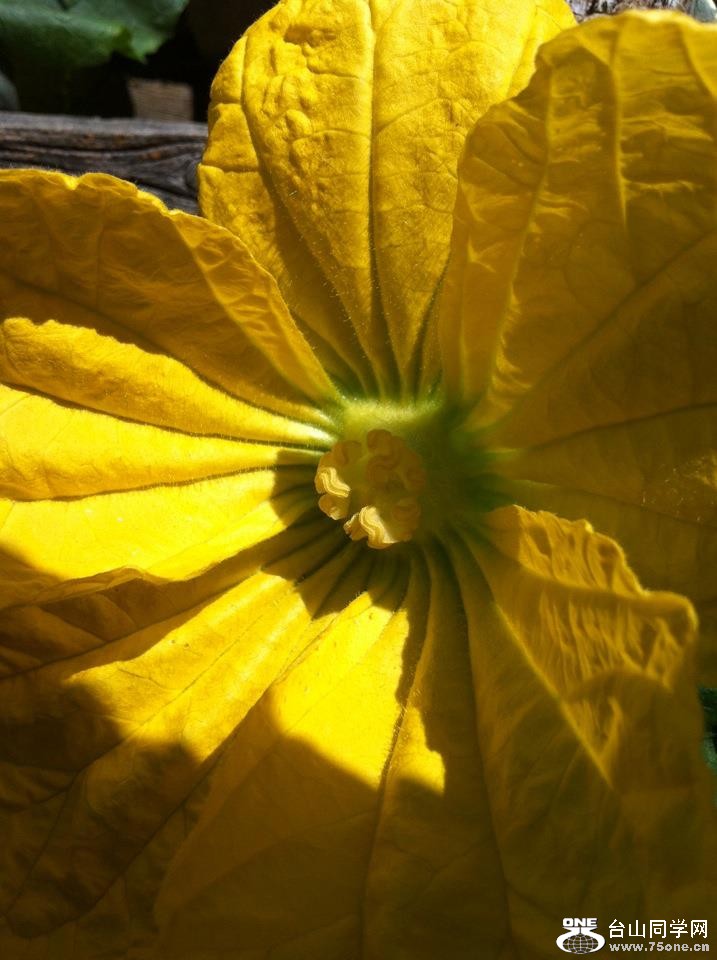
(103, 738)
(51, 450)
(57, 548)
(585, 220)
(587, 232)
(669, 550)
(99, 253)
(95, 367)
(278, 860)
(434, 835)
(597, 786)
(87, 500)
(335, 131)
(115, 459)
(571, 717)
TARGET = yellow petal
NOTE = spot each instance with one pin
(585, 231)
(378, 765)
(589, 729)
(56, 548)
(335, 131)
(555, 748)
(97, 253)
(88, 500)
(279, 858)
(587, 236)
(669, 553)
(102, 742)
(94, 366)
(49, 450)
(434, 884)
(117, 459)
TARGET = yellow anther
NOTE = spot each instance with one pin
(374, 486)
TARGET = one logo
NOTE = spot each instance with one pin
(580, 936)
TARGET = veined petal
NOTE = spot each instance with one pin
(582, 293)
(88, 362)
(306, 772)
(70, 452)
(56, 548)
(116, 459)
(585, 230)
(332, 153)
(670, 553)
(98, 253)
(589, 729)
(367, 786)
(434, 834)
(111, 739)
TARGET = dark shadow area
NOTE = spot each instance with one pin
(100, 804)
(73, 853)
(99, 808)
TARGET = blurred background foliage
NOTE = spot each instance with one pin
(90, 57)
(150, 58)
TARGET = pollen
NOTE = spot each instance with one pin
(374, 487)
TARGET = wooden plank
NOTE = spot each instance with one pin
(157, 156)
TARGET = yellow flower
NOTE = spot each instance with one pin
(317, 642)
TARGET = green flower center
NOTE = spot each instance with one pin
(403, 472)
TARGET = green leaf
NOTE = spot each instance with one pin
(709, 704)
(8, 94)
(148, 23)
(83, 33)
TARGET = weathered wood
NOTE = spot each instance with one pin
(157, 156)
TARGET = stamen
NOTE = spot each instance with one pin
(375, 484)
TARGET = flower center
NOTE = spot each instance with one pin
(406, 471)
(374, 485)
